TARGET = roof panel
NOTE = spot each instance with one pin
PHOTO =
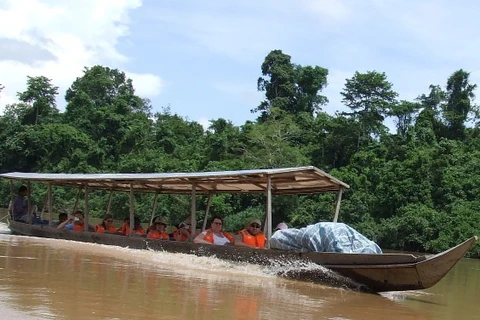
(284, 181)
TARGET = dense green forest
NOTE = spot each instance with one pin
(413, 189)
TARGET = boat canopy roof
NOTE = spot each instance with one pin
(299, 180)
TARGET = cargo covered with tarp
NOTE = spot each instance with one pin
(324, 237)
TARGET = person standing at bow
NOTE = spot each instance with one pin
(214, 235)
(19, 207)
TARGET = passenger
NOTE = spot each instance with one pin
(137, 229)
(152, 226)
(19, 207)
(159, 231)
(251, 236)
(281, 226)
(214, 235)
(75, 222)
(106, 226)
(61, 218)
(183, 231)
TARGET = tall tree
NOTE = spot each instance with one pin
(430, 117)
(370, 96)
(103, 104)
(272, 143)
(460, 96)
(290, 87)
(404, 112)
(40, 99)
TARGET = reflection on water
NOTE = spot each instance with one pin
(58, 279)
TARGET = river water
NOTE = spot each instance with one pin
(58, 279)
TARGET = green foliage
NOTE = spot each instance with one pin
(39, 101)
(460, 95)
(410, 230)
(239, 220)
(371, 97)
(290, 87)
(271, 144)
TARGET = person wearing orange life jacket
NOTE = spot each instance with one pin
(159, 231)
(183, 231)
(137, 229)
(214, 235)
(251, 236)
(75, 223)
(152, 224)
(106, 226)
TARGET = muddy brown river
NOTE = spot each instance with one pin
(59, 279)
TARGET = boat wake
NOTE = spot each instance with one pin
(313, 273)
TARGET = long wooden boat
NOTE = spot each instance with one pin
(374, 272)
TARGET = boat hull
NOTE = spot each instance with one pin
(378, 273)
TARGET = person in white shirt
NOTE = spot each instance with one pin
(215, 235)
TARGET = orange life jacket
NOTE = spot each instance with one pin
(155, 234)
(209, 236)
(125, 229)
(183, 237)
(255, 241)
(78, 227)
(100, 229)
(139, 231)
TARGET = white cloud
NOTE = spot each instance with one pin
(59, 40)
(146, 85)
(331, 11)
(245, 92)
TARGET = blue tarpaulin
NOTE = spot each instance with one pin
(324, 237)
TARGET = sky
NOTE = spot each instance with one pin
(202, 58)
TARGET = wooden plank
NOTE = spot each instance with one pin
(50, 206)
(132, 211)
(86, 215)
(269, 210)
(154, 208)
(29, 202)
(207, 210)
(193, 213)
(337, 207)
(109, 204)
(12, 198)
(335, 258)
(77, 199)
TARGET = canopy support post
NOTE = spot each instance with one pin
(44, 204)
(109, 205)
(132, 212)
(12, 199)
(207, 210)
(154, 208)
(193, 212)
(337, 208)
(269, 210)
(77, 199)
(86, 213)
(29, 202)
(50, 205)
